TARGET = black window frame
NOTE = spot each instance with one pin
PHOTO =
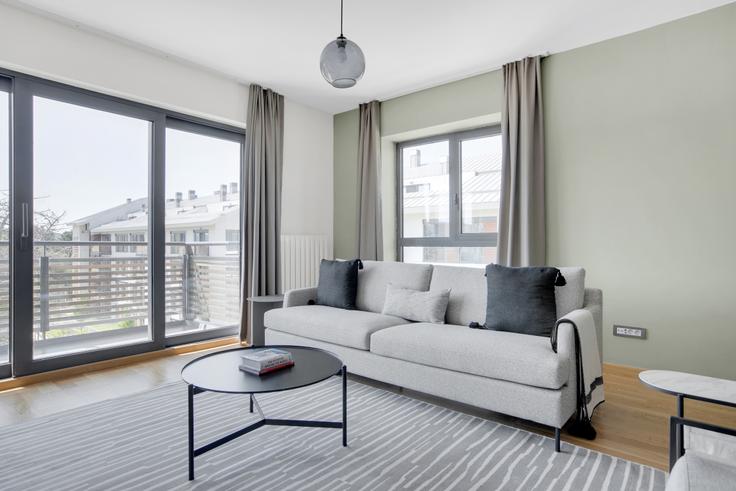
(456, 237)
(22, 89)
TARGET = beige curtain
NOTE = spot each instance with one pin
(370, 229)
(260, 237)
(521, 225)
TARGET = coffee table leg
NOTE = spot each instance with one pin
(191, 432)
(344, 406)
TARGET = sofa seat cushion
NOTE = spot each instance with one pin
(519, 358)
(351, 328)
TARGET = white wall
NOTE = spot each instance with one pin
(39, 46)
(47, 48)
(307, 186)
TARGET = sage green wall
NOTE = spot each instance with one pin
(641, 172)
(466, 103)
(345, 161)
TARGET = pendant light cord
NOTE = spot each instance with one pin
(341, 1)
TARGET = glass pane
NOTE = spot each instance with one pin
(203, 227)
(4, 227)
(426, 190)
(481, 184)
(465, 256)
(90, 188)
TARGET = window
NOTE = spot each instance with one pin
(121, 238)
(449, 190)
(201, 235)
(232, 237)
(203, 194)
(177, 240)
(5, 222)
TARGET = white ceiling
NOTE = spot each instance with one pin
(408, 44)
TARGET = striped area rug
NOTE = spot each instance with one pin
(395, 442)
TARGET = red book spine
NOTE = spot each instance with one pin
(277, 367)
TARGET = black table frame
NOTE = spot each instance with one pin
(196, 452)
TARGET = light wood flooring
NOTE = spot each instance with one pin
(632, 423)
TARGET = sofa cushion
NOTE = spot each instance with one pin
(500, 355)
(571, 296)
(376, 275)
(694, 471)
(467, 292)
(352, 328)
(416, 306)
(522, 299)
(338, 283)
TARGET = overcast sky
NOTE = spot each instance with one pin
(87, 160)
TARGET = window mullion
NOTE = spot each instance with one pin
(454, 170)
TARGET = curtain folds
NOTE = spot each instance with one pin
(370, 228)
(521, 227)
(261, 232)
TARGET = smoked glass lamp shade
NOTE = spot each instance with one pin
(342, 63)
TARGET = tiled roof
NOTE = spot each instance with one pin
(481, 184)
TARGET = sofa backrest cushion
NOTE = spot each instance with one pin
(467, 293)
(376, 276)
(571, 296)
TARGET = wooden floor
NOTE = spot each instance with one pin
(632, 423)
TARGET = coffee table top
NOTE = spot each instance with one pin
(219, 372)
(700, 387)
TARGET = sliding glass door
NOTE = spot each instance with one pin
(121, 230)
(203, 228)
(90, 194)
(4, 227)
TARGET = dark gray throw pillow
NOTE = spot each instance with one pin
(522, 300)
(338, 283)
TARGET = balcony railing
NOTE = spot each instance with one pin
(85, 290)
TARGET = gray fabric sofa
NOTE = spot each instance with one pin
(515, 374)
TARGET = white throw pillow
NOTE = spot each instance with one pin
(417, 306)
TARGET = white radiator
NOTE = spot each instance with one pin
(300, 257)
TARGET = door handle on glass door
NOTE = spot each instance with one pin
(25, 228)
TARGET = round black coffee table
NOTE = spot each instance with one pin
(219, 372)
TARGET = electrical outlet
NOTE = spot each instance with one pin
(630, 332)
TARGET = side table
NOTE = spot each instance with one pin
(259, 306)
(690, 386)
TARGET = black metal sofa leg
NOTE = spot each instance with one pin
(557, 439)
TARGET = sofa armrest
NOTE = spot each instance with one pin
(300, 296)
(564, 341)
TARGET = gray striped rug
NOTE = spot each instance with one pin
(395, 442)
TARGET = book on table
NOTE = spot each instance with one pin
(266, 360)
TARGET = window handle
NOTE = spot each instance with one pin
(457, 200)
(25, 228)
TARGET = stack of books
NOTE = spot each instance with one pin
(263, 361)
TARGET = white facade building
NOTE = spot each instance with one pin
(213, 220)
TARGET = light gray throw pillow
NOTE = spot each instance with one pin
(417, 306)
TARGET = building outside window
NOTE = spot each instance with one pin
(232, 237)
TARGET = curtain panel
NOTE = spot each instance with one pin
(261, 231)
(521, 221)
(370, 228)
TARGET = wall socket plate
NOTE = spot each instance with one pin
(629, 332)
